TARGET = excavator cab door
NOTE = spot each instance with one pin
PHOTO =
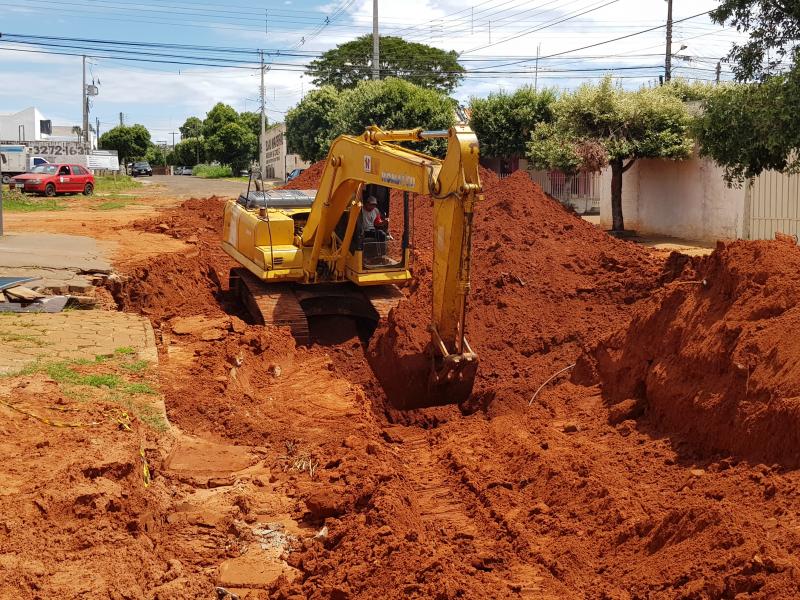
(386, 247)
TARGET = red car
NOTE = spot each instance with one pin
(56, 179)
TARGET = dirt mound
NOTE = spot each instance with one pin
(192, 282)
(724, 373)
(308, 179)
(545, 283)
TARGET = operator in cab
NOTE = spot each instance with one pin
(374, 226)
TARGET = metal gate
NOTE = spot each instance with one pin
(581, 192)
(773, 204)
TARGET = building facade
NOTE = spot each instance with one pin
(279, 161)
(29, 126)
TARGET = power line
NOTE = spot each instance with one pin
(568, 18)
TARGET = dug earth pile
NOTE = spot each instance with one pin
(565, 497)
(725, 374)
(545, 283)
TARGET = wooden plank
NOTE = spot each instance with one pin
(23, 293)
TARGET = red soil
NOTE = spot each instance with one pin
(544, 284)
(308, 179)
(725, 374)
(566, 498)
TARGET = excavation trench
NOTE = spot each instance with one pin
(570, 497)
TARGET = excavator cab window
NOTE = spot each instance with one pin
(384, 247)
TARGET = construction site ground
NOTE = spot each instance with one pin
(632, 434)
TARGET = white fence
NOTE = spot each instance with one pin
(581, 192)
(774, 206)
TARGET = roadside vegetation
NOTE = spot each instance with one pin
(212, 171)
(15, 201)
(110, 184)
(121, 379)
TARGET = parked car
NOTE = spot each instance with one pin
(142, 168)
(294, 174)
(56, 179)
(182, 171)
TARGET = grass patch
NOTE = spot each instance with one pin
(120, 378)
(111, 205)
(140, 388)
(136, 366)
(212, 171)
(15, 201)
(107, 184)
(18, 337)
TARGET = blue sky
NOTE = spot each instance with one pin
(488, 33)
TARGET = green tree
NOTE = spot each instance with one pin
(191, 128)
(504, 122)
(156, 155)
(348, 64)
(754, 127)
(309, 125)
(188, 152)
(750, 128)
(774, 32)
(252, 122)
(217, 118)
(231, 145)
(394, 104)
(129, 142)
(602, 123)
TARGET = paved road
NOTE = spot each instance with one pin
(187, 186)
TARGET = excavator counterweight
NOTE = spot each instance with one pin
(303, 256)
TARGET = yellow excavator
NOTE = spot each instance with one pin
(306, 254)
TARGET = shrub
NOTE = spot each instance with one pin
(212, 171)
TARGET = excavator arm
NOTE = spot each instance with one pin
(454, 184)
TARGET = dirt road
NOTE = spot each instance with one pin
(186, 186)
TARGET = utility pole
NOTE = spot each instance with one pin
(262, 157)
(719, 71)
(121, 120)
(536, 76)
(668, 60)
(173, 134)
(85, 112)
(97, 129)
(376, 43)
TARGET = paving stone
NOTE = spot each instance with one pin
(72, 335)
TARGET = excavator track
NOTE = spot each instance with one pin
(274, 304)
(290, 305)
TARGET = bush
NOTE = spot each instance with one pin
(212, 171)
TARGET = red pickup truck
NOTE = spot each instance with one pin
(56, 179)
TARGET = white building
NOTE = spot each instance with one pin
(279, 162)
(29, 125)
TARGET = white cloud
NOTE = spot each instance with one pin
(162, 98)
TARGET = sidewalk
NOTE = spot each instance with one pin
(71, 335)
(64, 263)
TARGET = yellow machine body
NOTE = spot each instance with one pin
(314, 244)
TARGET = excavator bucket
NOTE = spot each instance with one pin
(451, 380)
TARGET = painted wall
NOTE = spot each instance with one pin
(687, 199)
(13, 125)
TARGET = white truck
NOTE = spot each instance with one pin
(15, 160)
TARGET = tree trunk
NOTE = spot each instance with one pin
(617, 169)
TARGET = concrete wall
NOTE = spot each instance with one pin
(13, 125)
(687, 199)
(279, 162)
